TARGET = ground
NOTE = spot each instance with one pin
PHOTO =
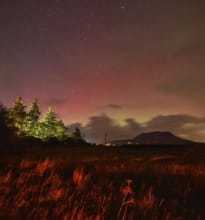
(97, 182)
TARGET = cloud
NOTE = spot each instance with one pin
(56, 101)
(112, 107)
(188, 88)
(186, 76)
(186, 126)
(188, 84)
(97, 126)
(75, 125)
(179, 124)
(174, 123)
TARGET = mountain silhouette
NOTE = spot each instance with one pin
(155, 137)
(160, 137)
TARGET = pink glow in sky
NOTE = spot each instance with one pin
(125, 59)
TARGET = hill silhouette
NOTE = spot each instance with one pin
(160, 137)
(155, 137)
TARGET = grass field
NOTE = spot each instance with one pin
(144, 182)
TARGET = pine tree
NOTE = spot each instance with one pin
(17, 114)
(34, 112)
(31, 123)
(61, 131)
(52, 126)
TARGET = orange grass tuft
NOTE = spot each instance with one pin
(49, 189)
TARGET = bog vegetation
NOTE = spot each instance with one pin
(158, 188)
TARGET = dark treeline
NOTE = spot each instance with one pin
(22, 122)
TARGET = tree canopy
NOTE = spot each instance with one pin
(28, 121)
(17, 114)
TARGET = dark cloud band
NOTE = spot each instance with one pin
(181, 125)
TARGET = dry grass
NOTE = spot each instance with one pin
(155, 188)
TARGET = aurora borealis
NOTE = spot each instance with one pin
(99, 62)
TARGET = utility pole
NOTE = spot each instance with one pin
(105, 138)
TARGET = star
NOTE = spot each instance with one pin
(122, 7)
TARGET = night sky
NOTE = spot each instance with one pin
(120, 66)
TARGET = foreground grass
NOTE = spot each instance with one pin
(85, 184)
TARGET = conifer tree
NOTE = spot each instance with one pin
(33, 111)
(31, 123)
(17, 114)
(61, 131)
(52, 126)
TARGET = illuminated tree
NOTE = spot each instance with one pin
(31, 123)
(52, 126)
(17, 114)
(61, 130)
(33, 111)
